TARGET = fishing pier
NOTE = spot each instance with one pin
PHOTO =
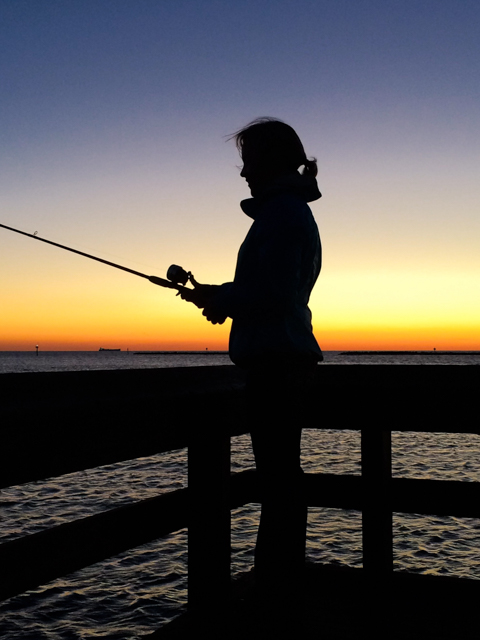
(58, 423)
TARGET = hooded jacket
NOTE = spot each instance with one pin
(278, 264)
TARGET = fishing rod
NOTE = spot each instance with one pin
(177, 277)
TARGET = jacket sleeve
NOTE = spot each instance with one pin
(268, 279)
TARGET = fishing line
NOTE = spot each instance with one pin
(177, 276)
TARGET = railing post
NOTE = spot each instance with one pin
(376, 511)
(209, 521)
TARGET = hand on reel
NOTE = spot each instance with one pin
(202, 295)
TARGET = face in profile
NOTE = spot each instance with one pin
(257, 170)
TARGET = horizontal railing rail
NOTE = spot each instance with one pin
(58, 423)
(94, 418)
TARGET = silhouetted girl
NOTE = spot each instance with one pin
(271, 336)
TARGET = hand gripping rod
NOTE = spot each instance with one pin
(160, 281)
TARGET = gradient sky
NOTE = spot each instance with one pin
(113, 117)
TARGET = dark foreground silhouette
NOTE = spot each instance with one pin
(271, 337)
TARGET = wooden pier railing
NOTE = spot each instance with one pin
(57, 423)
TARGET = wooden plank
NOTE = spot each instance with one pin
(89, 417)
(342, 603)
(436, 497)
(377, 526)
(209, 519)
(33, 560)
(426, 497)
(28, 562)
(93, 418)
(39, 558)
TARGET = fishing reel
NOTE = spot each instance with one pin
(178, 275)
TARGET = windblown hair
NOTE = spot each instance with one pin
(277, 143)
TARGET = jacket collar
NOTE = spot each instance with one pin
(304, 186)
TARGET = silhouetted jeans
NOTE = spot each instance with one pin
(277, 394)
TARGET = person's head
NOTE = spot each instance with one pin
(270, 149)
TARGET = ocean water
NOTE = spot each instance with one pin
(134, 593)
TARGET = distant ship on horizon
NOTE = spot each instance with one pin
(103, 349)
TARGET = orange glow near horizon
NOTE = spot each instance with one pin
(63, 305)
(402, 339)
(194, 334)
(355, 312)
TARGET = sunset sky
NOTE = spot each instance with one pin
(114, 116)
